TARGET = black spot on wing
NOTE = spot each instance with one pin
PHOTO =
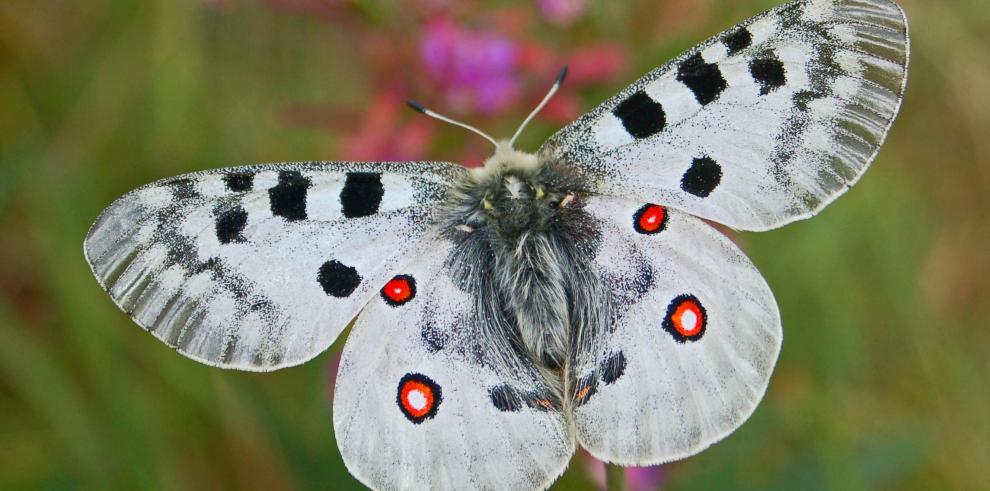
(239, 182)
(362, 194)
(338, 279)
(769, 73)
(183, 189)
(613, 367)
(805, 97)
(288, 198)
(628, 288)
(738, 40)
(702, 177)
(230, 224)
(225, 280)
(433, 336)
(704, 79)
(505, 398)
(823, 70)
(180, 250)
(641, 116)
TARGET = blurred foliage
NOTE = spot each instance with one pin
(883, 378)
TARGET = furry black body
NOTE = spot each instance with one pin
(524, 252)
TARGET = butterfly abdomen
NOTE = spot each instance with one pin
(524, 244)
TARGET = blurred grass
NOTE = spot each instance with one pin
(883, 378)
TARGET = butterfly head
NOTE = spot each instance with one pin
(513, 193)
(507, 159)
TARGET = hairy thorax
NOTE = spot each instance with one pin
(522, 251)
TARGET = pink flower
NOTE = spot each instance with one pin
(596, 63)
(473, 69)
(589, 65)
(644, 478)
(381, 134)
(563, 109)
(637, 478)
(561, 12)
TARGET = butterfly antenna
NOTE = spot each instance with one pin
(433, 114)
(553, 90)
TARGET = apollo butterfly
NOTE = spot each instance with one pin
(569, 297)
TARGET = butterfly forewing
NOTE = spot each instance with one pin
(261, 267)
(763, 124)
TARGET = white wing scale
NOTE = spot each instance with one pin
(261, 267)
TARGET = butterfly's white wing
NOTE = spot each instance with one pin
(426, 399)
(694, 336)
(763, 124)
(261, 267)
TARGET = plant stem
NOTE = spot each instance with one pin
(615, 478)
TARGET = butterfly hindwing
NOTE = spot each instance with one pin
(693, 337)
(763, 124)
(261, 267)
(425, 400)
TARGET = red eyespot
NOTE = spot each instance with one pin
(650, 219)
(399, 290)
(418, 397)
(686, 319)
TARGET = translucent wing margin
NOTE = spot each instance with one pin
(426, 400)
(261, 267)
(763, 124)
(693, 339)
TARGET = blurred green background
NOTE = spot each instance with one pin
(883, 379)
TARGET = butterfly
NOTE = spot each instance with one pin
(569, 297)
